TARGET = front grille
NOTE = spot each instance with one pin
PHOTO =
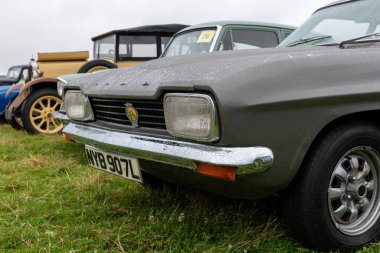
(151, 112)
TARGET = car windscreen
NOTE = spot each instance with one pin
(14, 72)
(104, 48)
(191, 42)
(337, 23)
(131, 46)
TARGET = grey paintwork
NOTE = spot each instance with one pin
(277, 98)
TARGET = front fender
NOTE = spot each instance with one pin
(26, 90)
(38, 81)
(13, 88)
(6, 99)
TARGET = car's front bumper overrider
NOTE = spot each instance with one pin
(247, 160)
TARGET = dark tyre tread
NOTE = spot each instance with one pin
(14, 124)
(95, 63)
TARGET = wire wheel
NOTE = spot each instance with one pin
(42, 115)
(353, 193)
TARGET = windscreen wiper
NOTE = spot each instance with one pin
(307, 40)
(357, 40)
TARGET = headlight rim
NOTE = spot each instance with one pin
(88, 112)
(214, 135)
(61, 86)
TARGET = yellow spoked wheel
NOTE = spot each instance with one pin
(97, 68)
(41, 115)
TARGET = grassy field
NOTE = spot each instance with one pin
(50, 201)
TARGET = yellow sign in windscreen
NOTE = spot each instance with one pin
(206, 36)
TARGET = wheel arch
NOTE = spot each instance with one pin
(41, 83)
(27, 89)
(364, 116)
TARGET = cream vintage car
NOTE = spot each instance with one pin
(34, 107)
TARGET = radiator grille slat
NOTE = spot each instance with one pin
(151, 113)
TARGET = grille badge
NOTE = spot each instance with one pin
(132, 114)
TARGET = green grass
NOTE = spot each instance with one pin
(50, 201)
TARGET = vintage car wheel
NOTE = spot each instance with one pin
(38, 110)
(96, 65)
(15, 122)
(334, 202)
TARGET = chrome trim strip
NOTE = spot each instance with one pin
(216, 38)
(88, 112)
(61, 116)
(62, 80)
(248, 160)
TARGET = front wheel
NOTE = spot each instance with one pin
(334, 202)
(37, 112)
(15, 122)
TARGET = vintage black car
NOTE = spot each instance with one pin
(13, 76)
(300, 121)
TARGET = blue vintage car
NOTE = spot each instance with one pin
(13, 76)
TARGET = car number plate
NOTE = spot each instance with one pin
(120, 165)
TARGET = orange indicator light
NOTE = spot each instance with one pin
(221, 172)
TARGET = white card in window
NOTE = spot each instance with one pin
(206, 36)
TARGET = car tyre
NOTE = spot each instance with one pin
(334, 202)
(96, 65)
(37, 112)
(15, 122)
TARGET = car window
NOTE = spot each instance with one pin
(164, 42)
(226, 43)
(137, 47)
(337, 23)
(14, 72)
(287, 33)
(105, 48)
(340, 28)
(245, 39)
(239, 39)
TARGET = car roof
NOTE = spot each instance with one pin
(19, 66)
(236, 22)
(335, 3)
(165, 28)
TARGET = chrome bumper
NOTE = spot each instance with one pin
(248, 160)
(61, 116)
